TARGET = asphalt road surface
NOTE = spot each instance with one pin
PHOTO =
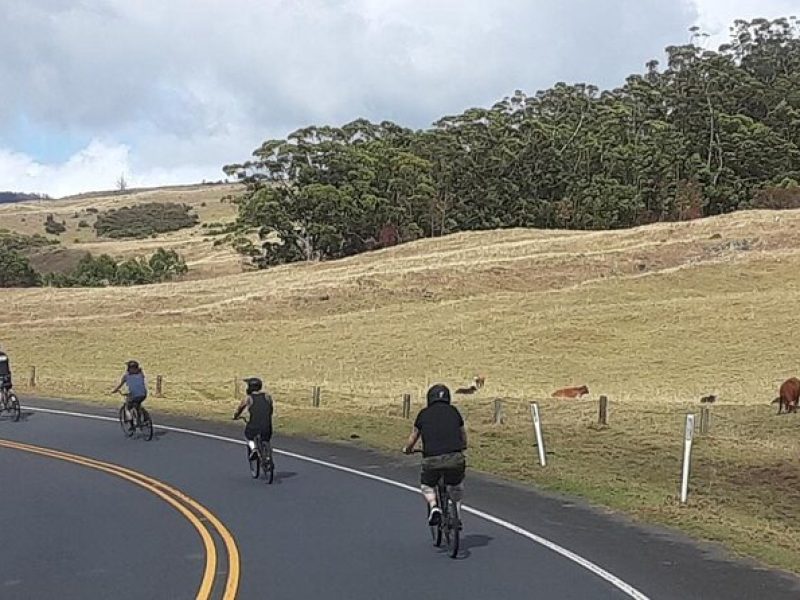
(88, 513)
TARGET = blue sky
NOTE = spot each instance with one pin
(168, 91)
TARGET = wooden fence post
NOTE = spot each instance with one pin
(603, 417)
(33, 378)
(315, 394)
(237, 390)
(705, 420)
(406, 406)
(498, 417)
(159, 386)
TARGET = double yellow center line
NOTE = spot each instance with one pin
(193, 511)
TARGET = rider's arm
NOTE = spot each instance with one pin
(242, 405)
(119, 387)
(412, 440)
(464, 437)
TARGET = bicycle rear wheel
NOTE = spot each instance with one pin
(268, 467)
(437, 530)
(147, 423)
(14, 407)
(125, 423)
(453, 526)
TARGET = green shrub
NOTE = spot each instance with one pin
(103, 271)
(15, 270)
(53, 227)
(21, 242)
(145, 220)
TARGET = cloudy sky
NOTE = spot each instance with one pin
(168, 91)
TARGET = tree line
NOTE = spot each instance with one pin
(710, 132)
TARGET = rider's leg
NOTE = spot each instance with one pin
(267, 439)
(430, 495)
(454, 479)
(251, 444)
(129, 406)
(429, 479)
(456, 493)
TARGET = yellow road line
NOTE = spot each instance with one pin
(163, 491)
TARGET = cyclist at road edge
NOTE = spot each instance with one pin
(5, 374)
(260, 406)
(444, 439)
(137, 389)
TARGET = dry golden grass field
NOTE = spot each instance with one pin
(654, 318)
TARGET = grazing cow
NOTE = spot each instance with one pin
(477, 384)
(710, 399)
(788, 395)
(571, 392)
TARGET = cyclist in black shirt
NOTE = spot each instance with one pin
(5, 373)
(444, 439)
(260, 407)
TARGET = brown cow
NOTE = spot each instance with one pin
(789, 395)
(571, 392)
(477, 383)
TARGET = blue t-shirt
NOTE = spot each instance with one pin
(136, 384)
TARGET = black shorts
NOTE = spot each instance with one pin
(251, 433)
(452, 467)
(136, 401)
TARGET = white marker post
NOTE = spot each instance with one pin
(537, 428)
(687, 456)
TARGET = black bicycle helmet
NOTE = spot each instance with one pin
(254, 384)
(133, 366)
(438, 393)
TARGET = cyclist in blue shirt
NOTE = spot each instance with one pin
(137, 388)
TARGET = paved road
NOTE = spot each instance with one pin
(317, 532)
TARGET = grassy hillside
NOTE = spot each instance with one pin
(80, 212)
(653, 317)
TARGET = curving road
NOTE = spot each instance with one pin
(318, 532)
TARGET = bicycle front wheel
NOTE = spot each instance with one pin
(14, 407)
(147, 423)
(125, 423)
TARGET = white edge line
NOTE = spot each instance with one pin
(568, 554)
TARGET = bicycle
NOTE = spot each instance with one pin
(263, 463)
(450, 525)
(10, 403)
(140, 419)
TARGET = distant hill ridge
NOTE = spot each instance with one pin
(11, 197)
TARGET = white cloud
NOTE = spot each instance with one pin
(715, 17)
(96, 167)
(177, 88)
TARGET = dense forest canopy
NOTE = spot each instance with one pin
(709, 132)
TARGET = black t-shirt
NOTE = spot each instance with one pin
(440, 425)
(260, 412)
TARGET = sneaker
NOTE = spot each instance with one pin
(434, 517)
